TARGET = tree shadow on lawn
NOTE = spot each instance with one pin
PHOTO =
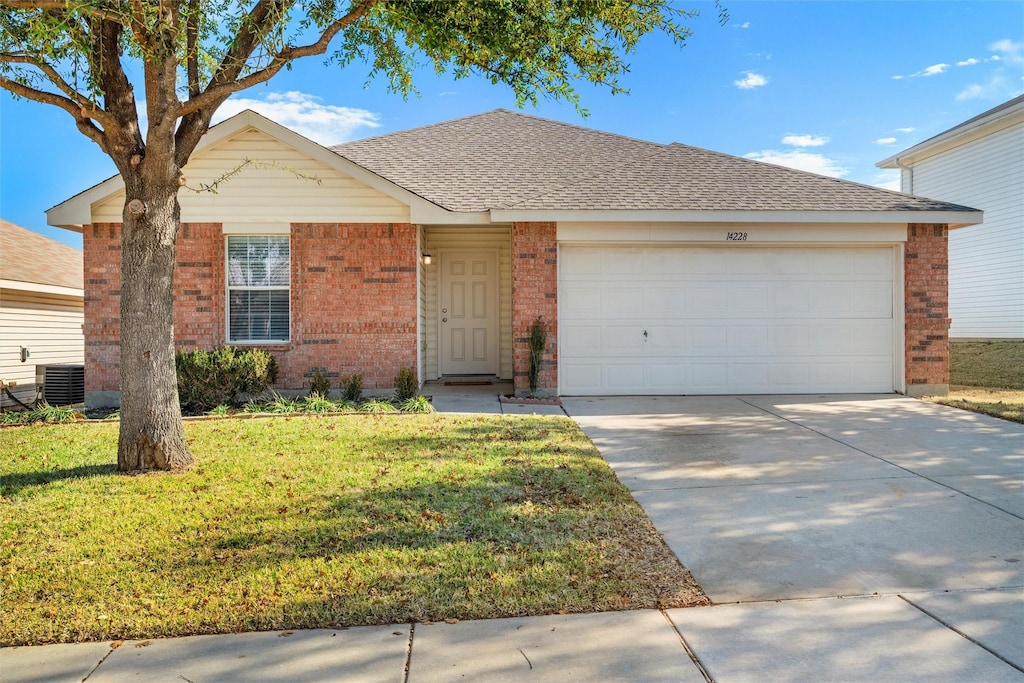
(523, 541)
(14, 484)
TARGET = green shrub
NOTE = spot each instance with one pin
(352, 387)
(538, 339)
(318, 403)
(320, 384)
(406, 384)
(417, 404)
(207, 379)
(220, 410)
(378, 406)
(282, 404)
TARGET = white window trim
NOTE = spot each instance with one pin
(276, 232)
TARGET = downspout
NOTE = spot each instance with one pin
(910, 175)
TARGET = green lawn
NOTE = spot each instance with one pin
(993, 365)
(297, 522)
(987, 378)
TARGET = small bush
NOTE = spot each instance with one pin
(43, 413)
(538, 340)
(406, 385)
(207, 379)
(321, 384)
(378, 406)
(417, 404)
(282, 404)
(352, 387)
(318, 403)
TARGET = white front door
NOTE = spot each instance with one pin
(468, 314)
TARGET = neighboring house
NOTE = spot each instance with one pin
(657, 269)
(41, 304)
(979, 163)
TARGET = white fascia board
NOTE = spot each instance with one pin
(952, 218)
(77, 210)
(955, 137)
(41, 288)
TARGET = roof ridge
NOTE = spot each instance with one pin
(335, 148)
(502, 110)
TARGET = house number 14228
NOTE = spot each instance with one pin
(736, 237)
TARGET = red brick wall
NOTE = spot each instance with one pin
(534, 293)
(926, 289)
(353, 301)
(101, 244)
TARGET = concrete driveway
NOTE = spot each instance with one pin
(768, 499)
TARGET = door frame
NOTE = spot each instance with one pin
(494, 303)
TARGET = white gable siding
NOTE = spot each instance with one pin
(49, 325)
(258, 195)
(986, 262)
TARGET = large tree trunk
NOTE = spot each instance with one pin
(152, 435)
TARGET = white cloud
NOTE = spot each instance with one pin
(909, 129)
(804, 140)
(885, 141)
(305, 114)
(751, 80)
(745, 24)
(971, 61)
(933, 70)
(1008, 50)
(971, 92)
(888, 180)
(801, 160)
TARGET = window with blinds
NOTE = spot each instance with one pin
(259, 274)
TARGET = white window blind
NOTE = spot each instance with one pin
(259, 273)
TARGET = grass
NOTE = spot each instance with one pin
(311, 521)
(993, 365)
(987, 378)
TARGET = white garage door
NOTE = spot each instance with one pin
(695, 320)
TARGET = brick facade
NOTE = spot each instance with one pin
(353, 301)
(534, 293)
(926, 287)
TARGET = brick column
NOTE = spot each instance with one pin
(534, 293)
(101, 244)
(926, 292)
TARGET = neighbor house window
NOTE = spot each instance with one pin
(259, 272)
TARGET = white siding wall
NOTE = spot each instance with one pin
(436, 240)
(259, 195)
(49, 325)
(986, 262)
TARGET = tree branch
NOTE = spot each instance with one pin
(63, 6)
(86, 106)
(220, 89)
(84, 123)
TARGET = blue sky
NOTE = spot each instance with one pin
(830, 87)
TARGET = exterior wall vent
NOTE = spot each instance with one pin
(63, 385)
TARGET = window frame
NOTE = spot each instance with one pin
(229, 288)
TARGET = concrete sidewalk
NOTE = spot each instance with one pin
(880, 638)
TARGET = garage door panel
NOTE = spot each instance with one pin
(726, 320)
(622, 302)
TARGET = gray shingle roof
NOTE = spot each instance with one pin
(27, 256)
(504, 159)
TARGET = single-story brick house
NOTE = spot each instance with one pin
(657, 269)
